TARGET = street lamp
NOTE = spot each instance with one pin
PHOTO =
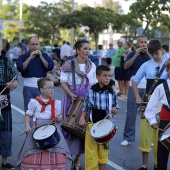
(20, 21)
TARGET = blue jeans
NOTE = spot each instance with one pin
(132, 107)
(29, 93)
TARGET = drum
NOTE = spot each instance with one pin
(165, 137)
(103, 132)
(46, 137)
(3, 101)
(71, 122)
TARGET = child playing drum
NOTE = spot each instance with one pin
(96, 105)
(44, 109)
(160, 95)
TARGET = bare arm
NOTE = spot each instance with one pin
(82, 120)
(27, 123)
(129, 63)
(67, 90)
(136, 93)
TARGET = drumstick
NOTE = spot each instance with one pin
(8, 84)
(103, 119)
(161, 129)
(51, 122)
(31, 129)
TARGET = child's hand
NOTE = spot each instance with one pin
(154, 126)
(27, 128)
(114, 111)
(82, 121)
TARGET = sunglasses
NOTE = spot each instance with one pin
(82, 39)
(157, 71)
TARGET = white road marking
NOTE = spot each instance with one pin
(115, 166)
(17, 109)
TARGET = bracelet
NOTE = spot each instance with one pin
(71, 94)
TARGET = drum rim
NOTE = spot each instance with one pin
(44, 138)
(113, 127)
(160, 139)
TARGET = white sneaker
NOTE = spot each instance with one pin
(125, 143)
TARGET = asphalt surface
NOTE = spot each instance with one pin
(122, 158)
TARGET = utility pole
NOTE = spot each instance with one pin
(72, 29)
(20, 22)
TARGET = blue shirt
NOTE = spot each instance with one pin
(137, 63)
(35, 67)
(148, 71)
(99, 101)
(111, 53)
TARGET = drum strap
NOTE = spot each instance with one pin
(167, 92)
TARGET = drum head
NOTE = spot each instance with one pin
(102, 129)
(44, 132)
(165, 135)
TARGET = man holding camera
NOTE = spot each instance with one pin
(133, 62)
(33, 65)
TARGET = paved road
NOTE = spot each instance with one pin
(123, 158)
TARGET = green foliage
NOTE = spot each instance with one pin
(11, 32)
(95, 20)
(151, 12)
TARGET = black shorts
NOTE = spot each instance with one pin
(117, 73)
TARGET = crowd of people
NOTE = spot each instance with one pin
(138, 73)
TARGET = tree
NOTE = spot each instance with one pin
(12, 31)
(94, 20)
(150, 12)
(44, 20)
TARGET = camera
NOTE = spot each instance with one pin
(142, 52)
(37, 55)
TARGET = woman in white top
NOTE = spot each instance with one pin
(85, 76)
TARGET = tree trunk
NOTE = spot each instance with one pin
(96, 38)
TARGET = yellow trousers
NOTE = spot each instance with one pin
(147, 136)
(95, 154)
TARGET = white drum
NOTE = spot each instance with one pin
(103, 132)
(46, 136)
(165, 137)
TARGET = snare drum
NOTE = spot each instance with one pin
(165, 137)
(46, 137)
(103, 132)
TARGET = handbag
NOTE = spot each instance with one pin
(71, 122)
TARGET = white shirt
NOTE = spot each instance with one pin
(34, 108)
(158, 96)
(67, 77)
(100, 54)
(65, 51)
(112, 71)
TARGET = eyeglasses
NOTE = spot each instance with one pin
(48, 88)
(157, 71)
(82, 39)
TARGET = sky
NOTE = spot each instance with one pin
(125, 4)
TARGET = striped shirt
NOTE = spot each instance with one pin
(11, 72)
(98, 100)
